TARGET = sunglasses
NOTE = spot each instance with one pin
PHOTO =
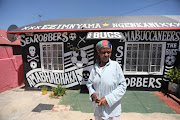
(108, 52)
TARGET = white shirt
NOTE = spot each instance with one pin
(107, 81)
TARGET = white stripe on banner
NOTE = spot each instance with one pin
(32, 71)
(67, 54)
(90, 51)
(53, 85)
(168, 67)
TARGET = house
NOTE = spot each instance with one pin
(11, 67)
(62, 51)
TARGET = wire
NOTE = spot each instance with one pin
(3, 37)
(144, 7)
(135, 10)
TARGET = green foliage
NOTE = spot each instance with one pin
(44, 87)
(174, 75)
(59, 91)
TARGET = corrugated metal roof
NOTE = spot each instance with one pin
(159, 22)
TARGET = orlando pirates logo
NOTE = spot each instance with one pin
(72, 36)
(86, 75)
(79, 58)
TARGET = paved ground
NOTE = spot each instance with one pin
(171, 100)
(78, 101)
(132, 101)
(18, 104)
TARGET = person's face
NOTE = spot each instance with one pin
(105, 54)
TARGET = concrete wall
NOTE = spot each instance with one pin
(11, 69)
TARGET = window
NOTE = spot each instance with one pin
(144, 58)
(52, 56)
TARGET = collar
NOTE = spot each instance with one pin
(107, 64)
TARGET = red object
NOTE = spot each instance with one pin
(168, 99)
(105, 43)
(11, 68)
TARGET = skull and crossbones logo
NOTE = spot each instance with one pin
(82, 39)
(33, 58)
(85, 75)
(72, 36)
(32, 51)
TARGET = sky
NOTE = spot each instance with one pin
(25, 12)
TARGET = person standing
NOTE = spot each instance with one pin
(106, 84)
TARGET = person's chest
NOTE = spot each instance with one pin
(105, 77)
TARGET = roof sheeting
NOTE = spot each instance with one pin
(104, 23)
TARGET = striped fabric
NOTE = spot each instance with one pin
(102, 43)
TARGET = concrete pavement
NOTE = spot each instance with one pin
(17, 104)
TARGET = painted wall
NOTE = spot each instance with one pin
(11, 69)
(79, 56)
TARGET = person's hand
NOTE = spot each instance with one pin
(102, 102)
(95, 97)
